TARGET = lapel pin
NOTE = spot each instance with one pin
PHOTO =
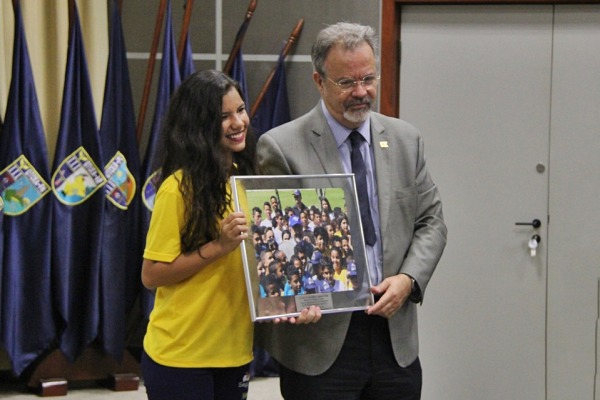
(383, 145)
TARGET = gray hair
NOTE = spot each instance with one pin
(345, 34)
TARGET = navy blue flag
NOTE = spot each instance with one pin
(168, 81)
(121, 257)
(27, 326)
(78, 210)
(274, 109)
(1, 232)
(238, 69)
(238, 73)
(187, 60)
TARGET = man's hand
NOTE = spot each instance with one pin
(394, 291)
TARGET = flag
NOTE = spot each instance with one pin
(238, 69)
(238, 73)
(274, 109)
(187, 60)
(78, 210)
(168, 81)
(121, 260)
(27, 326)
(1, 233)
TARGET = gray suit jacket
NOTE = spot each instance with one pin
(412, 229)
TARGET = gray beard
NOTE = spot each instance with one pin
(357, 117)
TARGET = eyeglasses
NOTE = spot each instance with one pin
(347, 84)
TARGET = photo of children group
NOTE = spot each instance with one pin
(302, 245)
(301, 251)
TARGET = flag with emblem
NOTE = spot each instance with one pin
(168, 81)
(120, 260)
(78, 210)
(274, 109)
(27, 327)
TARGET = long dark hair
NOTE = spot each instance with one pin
(192, 131)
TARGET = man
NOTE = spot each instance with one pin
(278, 227)
(372, 354)
(280, 255)
(268, 220)
(316, 218)
(299, 206)
(256, 216)
(275, 204)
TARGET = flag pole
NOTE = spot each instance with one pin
(189, 4)
(71, 4)
(150, 71)
(286, 49)
(240, 37)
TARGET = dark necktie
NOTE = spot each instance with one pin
(360, 174)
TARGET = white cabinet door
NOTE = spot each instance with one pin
(476, 80)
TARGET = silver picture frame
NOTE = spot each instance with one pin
(279, 293)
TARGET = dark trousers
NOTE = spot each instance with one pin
(168, 383)
(365, 369)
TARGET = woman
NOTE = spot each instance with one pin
(340, 273)
(194, 347)
(326, 208)
(343, 226)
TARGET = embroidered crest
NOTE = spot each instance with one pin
(77, 178)
(21, 187)
(149, 190)
(120, 188)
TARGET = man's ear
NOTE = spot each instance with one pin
(318, 81)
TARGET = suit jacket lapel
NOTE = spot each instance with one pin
(383, 173)
(323, 143)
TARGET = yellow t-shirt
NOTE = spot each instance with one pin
(203, 321)
(343, 278)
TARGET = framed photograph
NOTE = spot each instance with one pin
(306, 245)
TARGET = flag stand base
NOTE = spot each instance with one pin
(53, 374)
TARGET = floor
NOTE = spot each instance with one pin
(260, 389)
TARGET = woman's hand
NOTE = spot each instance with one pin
(309, 315)
(234, 229)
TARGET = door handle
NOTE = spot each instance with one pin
(536, 223)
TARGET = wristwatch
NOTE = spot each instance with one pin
(415, 291)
